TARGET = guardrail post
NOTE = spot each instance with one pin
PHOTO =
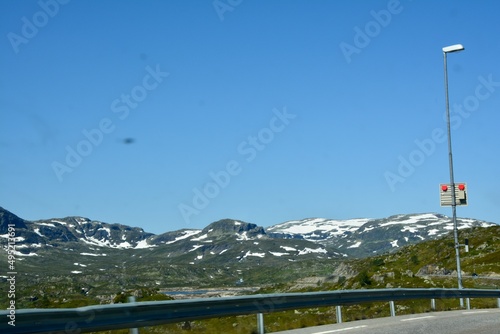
(433, 304)
(467, 301)
(131, 299)
(498, 302)
(393, 312)
(260, 323)
(338, 313)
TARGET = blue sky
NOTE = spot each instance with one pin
(174, 114)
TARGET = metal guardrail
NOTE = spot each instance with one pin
(140, 314)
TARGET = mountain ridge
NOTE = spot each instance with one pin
(351, 237)
(65, 255)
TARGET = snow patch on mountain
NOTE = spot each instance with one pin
(93, 254)
(105, 229)
(408, 220)
(143, 244)
(201, 237)
(249, 253)
(17, 253)
(278, 253)
(45, 224)
(434, 231)
(310, 250)
(315, 228)
(356, 245)
(195, 247)
(184, 235)
(59, 222)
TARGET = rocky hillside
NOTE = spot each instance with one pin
(423, 265)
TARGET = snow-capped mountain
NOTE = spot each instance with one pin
(324, 238)
(78, 229)
(225, 252)
(362, 237)
(227, 240)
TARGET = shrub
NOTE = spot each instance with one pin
(364, 279)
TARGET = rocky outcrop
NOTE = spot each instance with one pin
(230, 226)
(432, 269)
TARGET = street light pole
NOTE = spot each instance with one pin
(446, 50)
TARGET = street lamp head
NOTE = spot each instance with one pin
(453, 48)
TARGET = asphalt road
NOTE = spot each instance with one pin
(484, 321)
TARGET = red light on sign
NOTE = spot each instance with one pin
(444, 187)
(461, 187)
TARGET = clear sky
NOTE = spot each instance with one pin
(174, 114)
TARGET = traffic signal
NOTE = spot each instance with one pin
(445, 194)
